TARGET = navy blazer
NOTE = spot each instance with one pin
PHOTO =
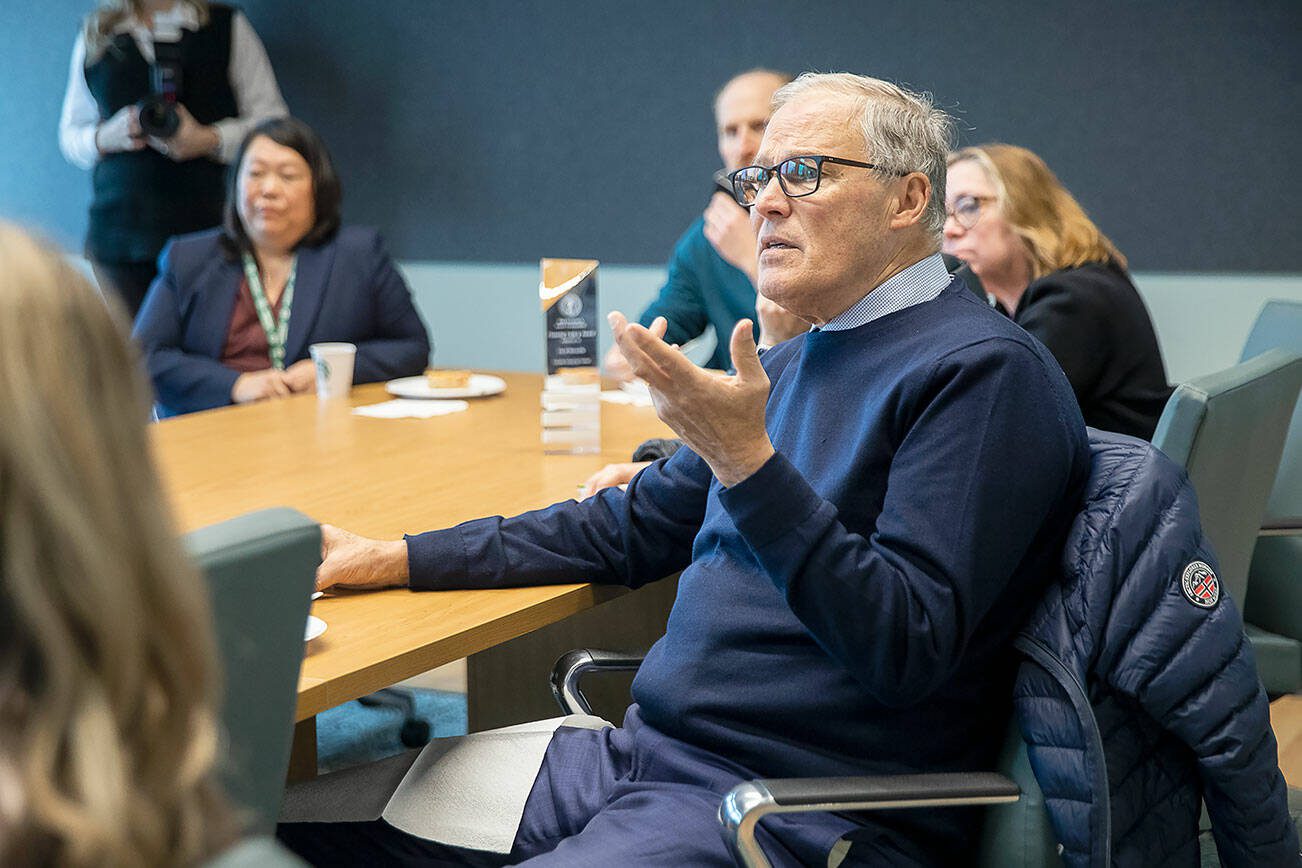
(347, 289)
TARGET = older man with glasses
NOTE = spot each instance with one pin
(862, 520)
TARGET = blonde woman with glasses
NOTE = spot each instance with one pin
(1060, 278)
(108, 728)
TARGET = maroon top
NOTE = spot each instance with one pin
(246, 346)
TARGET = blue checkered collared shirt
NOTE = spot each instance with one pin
(921, 281)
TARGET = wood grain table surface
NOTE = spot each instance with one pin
(383, 478)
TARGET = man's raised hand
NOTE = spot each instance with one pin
(720, 418)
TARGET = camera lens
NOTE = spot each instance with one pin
(158, 117)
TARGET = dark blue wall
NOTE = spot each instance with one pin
(504, 130)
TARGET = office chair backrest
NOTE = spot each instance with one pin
(1279, 325)
(261, 571)
(1227, 430)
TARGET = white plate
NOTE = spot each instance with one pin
(315, 627)
(418, 387)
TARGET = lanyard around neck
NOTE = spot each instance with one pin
(277, 328)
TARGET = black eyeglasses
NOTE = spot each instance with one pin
(967, 209)
(799, 176)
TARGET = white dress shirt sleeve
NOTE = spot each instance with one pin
(256, 93)
(257, 97)
(80, 115)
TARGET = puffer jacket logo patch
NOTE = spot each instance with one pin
(1200, 584)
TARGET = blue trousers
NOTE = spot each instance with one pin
(629, 796)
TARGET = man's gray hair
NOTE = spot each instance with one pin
(903, 131)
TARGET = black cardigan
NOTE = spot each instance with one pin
(1094, 322)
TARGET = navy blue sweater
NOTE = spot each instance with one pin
(848, 608)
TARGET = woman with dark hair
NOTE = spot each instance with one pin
(1059, 277)
(234, 310)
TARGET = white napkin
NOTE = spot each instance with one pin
(408, 408)
(634, 393)
(440, 794)
(614, 396)
(443, 797)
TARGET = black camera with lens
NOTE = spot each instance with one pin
(157, 111)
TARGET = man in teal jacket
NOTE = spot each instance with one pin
(711, 280)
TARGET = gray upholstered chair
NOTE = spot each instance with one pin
(261, 571)
(1227, 430)
(1273, 608)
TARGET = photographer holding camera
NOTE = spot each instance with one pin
(160, 95)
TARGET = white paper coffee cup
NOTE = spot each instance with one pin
(334, 368)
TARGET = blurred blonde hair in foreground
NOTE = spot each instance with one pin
(108, 731)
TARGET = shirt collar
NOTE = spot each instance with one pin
(921, 281)
(167, 25)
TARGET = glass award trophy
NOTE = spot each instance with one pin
(571, 397)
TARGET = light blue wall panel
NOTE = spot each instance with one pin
(487, 316)
(1203, 319)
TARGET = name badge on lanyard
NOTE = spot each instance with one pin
(277, 328)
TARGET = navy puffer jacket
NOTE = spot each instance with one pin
(1140, 694)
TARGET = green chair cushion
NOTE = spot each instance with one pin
(1279, 660)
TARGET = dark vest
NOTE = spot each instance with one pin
(141, 198)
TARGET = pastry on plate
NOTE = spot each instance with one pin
(448, 379)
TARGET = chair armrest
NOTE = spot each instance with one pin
(573, 665)
(747, 802)
(1289, 525)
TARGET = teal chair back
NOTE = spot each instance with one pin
(260, 570)
(1227, 430)
(1274, 604)
(1279, 325)
(1019, 834)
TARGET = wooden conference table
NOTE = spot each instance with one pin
(382, 478)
